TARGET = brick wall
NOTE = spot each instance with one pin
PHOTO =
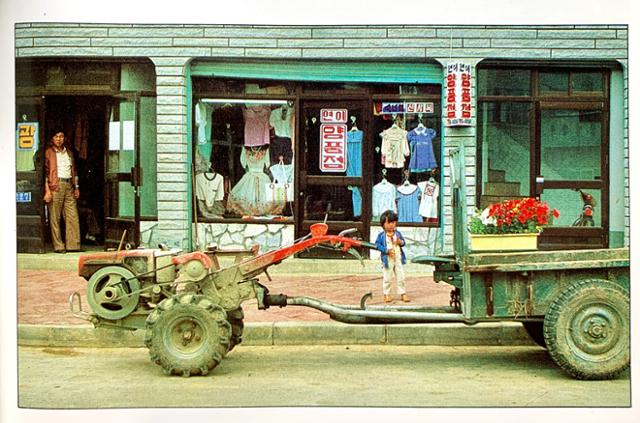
(170, 47)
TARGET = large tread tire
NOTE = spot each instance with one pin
(187, 334)
(235, 318)
(587, 330)
(536, 332)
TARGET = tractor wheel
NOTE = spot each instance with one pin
(187, 334)
(113, 292)
(235, 318)
(587, 330)
(534, 329)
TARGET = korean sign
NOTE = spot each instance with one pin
(333, 140)
(457, 98)
(406, 107)
(27, 136)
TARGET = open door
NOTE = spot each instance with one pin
(123, 174)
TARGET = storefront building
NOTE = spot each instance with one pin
(193, 135)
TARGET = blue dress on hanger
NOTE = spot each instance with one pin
(354, 153)
(409, 203)
(421, 145)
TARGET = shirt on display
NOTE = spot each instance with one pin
(383, 198)
(256, 125)
(408, 196)
(280, 120)
(429, 201)
(394, 146)
(209, 188)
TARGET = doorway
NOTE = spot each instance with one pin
(331, 180)
(84, 120)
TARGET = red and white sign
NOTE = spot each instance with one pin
(333, 115)
(457, 99)
(333, 140)
(333, 147)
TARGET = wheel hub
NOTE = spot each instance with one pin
(595, 329)
(187, 335)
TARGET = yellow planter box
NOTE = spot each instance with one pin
(504, 242)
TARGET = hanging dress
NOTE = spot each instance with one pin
(256, 125)
(421, 145)
(408, 197)
(354, 153)
(429, 201)
(248, 197)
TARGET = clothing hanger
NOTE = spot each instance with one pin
(406, 182)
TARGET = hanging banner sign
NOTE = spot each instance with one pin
(406, 107)
(457, 96)
(333, 140)
(27, 136)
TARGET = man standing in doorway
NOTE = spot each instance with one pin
(61, 190)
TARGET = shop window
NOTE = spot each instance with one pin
(504, 82)
(407, 155)
(244, 158)
(505, 151)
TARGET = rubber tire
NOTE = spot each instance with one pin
(536, 332)
(170, 318)
(236, 321)
(575, 324)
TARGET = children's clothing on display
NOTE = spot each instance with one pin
(394, 146)
(283, 177)
(408, 196)
(280, 120)
(421, 144)
(203, 123)
(356, 198)
(210, 190)
(383, 198)
(248, 197)
(256, 125)
(429, 201)
(354, 153)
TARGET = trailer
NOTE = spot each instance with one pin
(573, 303)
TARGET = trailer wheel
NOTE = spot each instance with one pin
(587, 330)
(187, 334)
(535, 331)
(235, 318)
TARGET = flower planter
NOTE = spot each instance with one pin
(504, 242)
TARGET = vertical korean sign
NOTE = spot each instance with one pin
(333, 140)
(457, 99)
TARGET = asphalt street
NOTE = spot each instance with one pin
(318, 376)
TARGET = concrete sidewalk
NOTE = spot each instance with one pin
(45, 282)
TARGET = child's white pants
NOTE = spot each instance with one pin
(395, 267)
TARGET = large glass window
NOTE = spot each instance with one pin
(505, 150)
(244, 158)
(407, 154)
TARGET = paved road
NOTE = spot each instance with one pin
(369, 376)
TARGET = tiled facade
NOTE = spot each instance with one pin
(172, 47)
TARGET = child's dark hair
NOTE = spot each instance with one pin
(388, 216)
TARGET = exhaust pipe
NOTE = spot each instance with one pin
(375, 314)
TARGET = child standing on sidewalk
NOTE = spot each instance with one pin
(390, 242)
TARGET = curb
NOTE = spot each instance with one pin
(297, 333)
